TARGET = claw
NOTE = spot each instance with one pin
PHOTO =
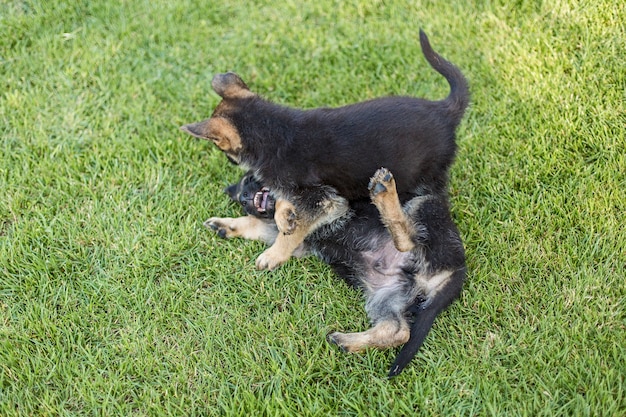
(378, 188)
(210, 225)
(331, 338)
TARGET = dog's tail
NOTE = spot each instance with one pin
(420, 328)
(458, 99)
(424, 317)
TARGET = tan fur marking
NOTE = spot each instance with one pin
(385, 334)
(391, 213)
(224, 135)
(294, 228)
(431, 285)
(282, 249)
(291, 235)
(285, 217)
(219, 130)
(247, 227)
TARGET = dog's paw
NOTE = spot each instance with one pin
(345, 342)
(286, 220)
(223, 227)
(270, 260)
(381, 182)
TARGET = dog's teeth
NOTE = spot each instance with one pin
(260, 201)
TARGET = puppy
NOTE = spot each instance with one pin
(315, 161)
(407, 259)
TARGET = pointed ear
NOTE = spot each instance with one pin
(230, 85)
(219, 130)
(232, 190)
(199, 129)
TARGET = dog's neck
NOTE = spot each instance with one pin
(268, 132)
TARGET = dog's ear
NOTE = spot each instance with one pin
(230, 85)
(199, 129)
(219, 130)
(232, 191)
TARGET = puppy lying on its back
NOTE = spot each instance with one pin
(408, 259)
(324, 157)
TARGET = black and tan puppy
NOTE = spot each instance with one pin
(407, 258)
(323, 157)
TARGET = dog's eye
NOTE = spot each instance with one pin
(245, 195)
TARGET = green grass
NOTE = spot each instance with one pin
(114, 300)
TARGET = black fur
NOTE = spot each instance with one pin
(357, 247)
(293, 149)
(245, 191)
(319, 161)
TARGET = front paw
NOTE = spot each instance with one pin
(270, 260)
(222, 226)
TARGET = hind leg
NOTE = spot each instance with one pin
(384, 195)
(384, 334)
(386, 306)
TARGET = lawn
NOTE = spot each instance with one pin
(114, 300)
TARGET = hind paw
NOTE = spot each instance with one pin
(381, 182)
(347, 342)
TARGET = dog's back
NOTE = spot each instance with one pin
(342, 146)
(294, 149)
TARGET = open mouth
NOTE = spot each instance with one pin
(261, 200)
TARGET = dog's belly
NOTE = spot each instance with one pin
(384, 266)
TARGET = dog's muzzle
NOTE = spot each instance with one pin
(262, 200)
(260, 203)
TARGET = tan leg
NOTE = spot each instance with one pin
(385, 334)
(247, 227)
(294, 226)
(291, 234)
(384, 195)
(285, 217)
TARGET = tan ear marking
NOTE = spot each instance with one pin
(198, 129)
(225, 135)
(219, 130)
